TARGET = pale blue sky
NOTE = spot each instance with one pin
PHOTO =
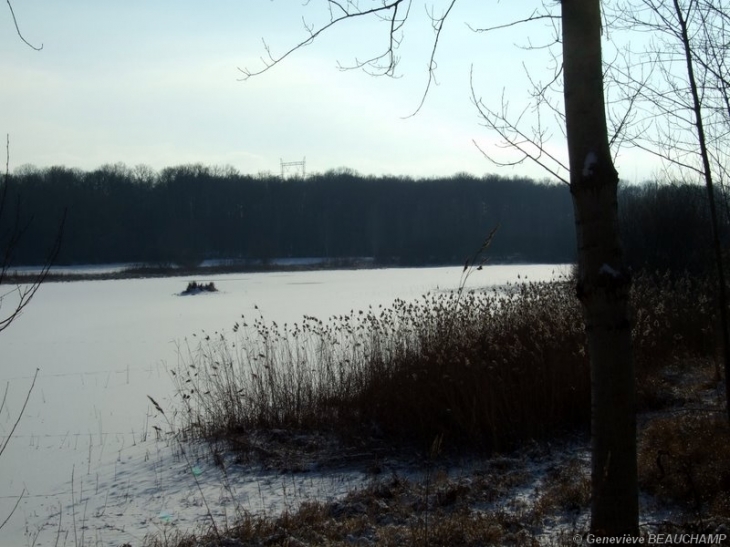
(156, 83)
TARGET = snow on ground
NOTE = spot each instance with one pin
(102, 347)
(153, 488)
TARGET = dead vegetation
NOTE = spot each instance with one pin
(478, 370)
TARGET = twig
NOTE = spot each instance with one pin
(60, 518)
(381, 64)
(17, 28)
(5, 394)
(535, 16)
(396, 24)
(7, 439)
(11, 240)
(532, 148)
(22, 410)
(73, 506)
(438, 25)
(13, 510)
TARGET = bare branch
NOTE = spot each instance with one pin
(535, 16)
(530, 147)
(17, 29)
(660, 153)
(351, 11)
(438, 25)
(393, 12)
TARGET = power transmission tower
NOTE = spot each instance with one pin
(297, 166)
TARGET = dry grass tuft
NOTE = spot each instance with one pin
(567, 489)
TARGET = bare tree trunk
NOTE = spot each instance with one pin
(603, 281)
(704, 153)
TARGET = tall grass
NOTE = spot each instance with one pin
(479, 369)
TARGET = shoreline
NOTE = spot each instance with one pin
(142, 272)
(17, 277)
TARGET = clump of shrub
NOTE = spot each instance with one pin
(675, 331)
(674, 317)
(686, 458)
(567, 489)
(485, 370)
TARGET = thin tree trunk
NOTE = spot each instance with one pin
(717, 247)
(603, 282)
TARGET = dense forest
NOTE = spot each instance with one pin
(186, 214)
(190, 213)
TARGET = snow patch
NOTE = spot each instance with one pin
(606, 269)
(591, 160)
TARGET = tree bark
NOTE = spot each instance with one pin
(603, 281)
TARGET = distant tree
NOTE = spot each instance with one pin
(117, 214)
(664, 228)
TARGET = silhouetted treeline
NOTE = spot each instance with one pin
(667, 227)
(190, 213)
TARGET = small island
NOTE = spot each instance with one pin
(196, 288)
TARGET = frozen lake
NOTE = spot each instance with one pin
(103, 346)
